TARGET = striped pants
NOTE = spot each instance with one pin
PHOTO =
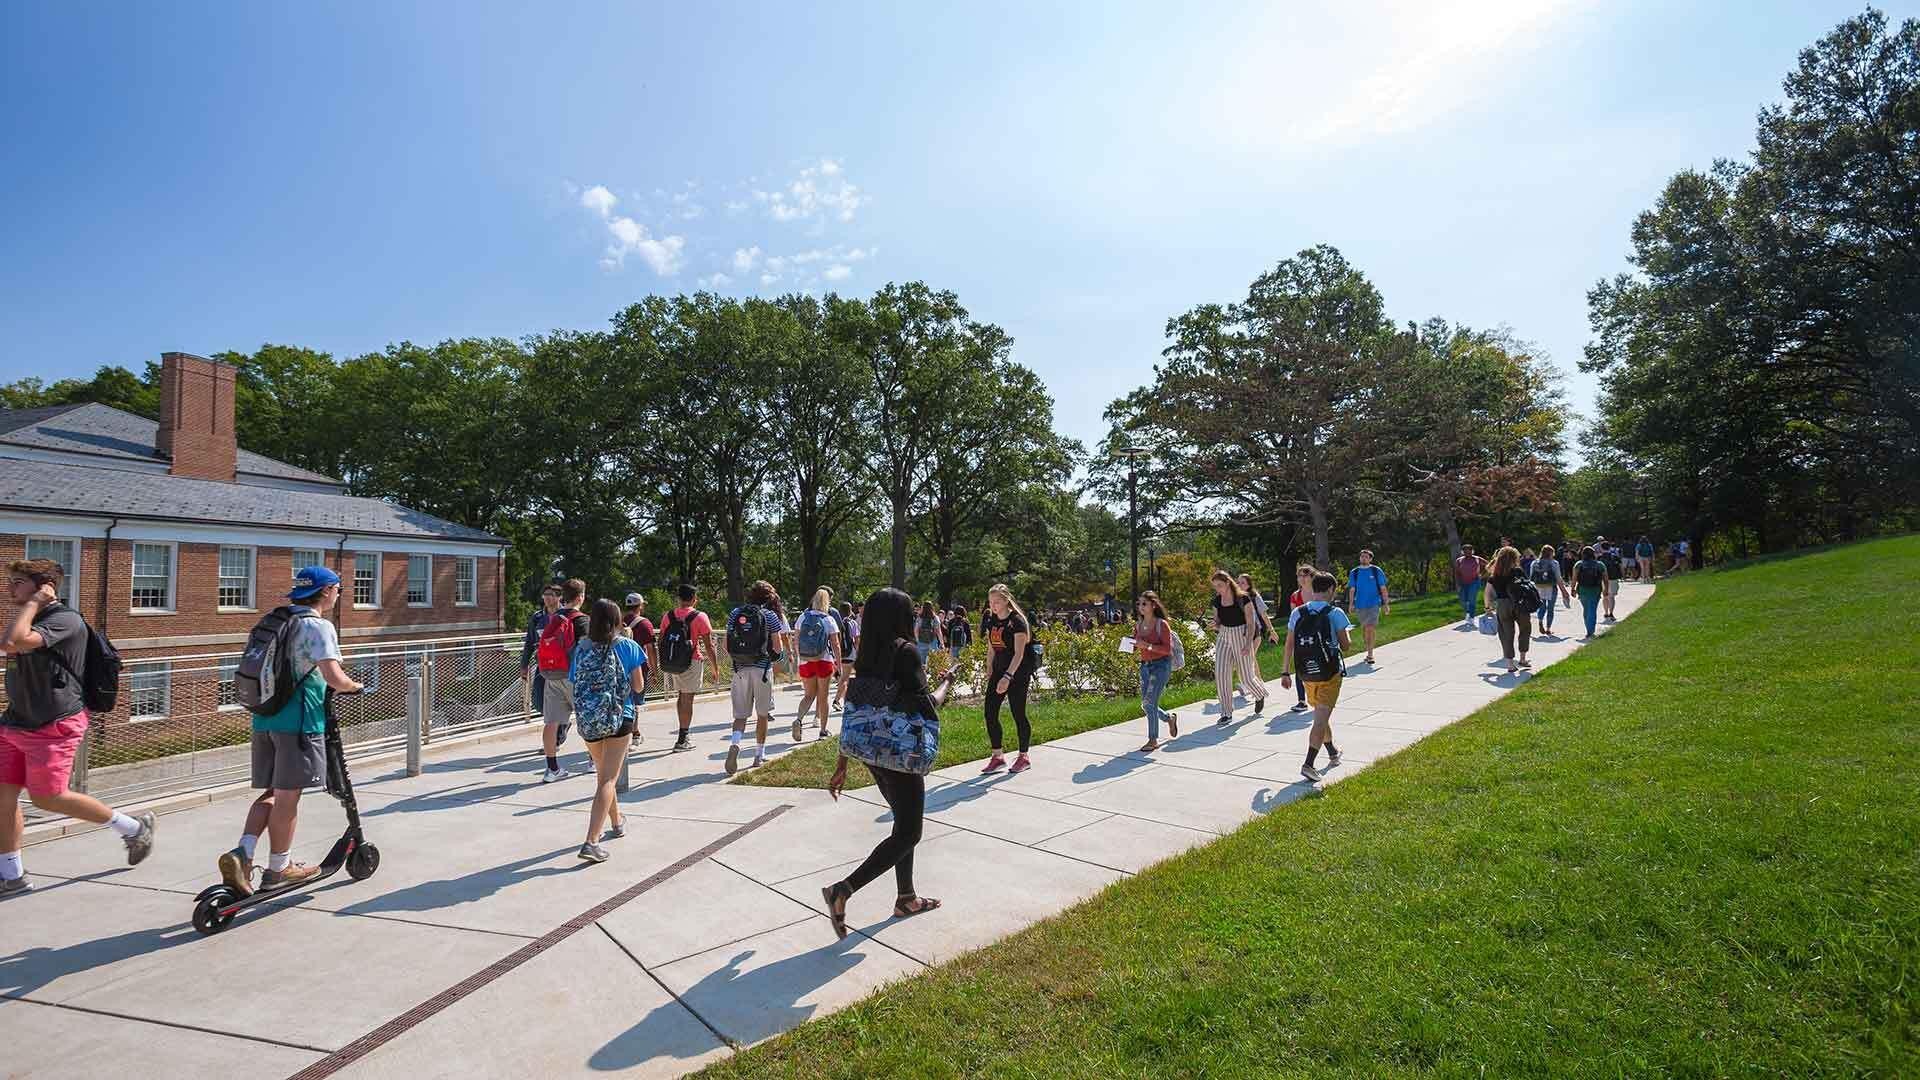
(1233, 653)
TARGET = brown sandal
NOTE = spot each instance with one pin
(836, 895)
(908, 906)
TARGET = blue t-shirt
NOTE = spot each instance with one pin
(1364, 584)
(1338, 618)
(586, 698)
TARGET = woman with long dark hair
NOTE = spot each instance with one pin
(1153, 647)
(1009, 674)
(1234, 623)
(887, 652)
(607, 667)
(930, 631)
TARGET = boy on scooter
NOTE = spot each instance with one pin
(289, 746)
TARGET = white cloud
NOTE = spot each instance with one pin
(744, 259)
(715, 280)
(769, 279)
(838, 272)
(819, 193)
(735, 206)
(628, 237)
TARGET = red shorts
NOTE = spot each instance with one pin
(41, 760)
(817, 669)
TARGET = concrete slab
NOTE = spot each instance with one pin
(1003, 811)
(1419, 723)
(1070, 772)
(1213, 802)
(988, 886)
(185, 848)
(706, 906)
(710, 799)
(582, 1008)
(1284, 769)
(819, 833)
(755, 989)
(1125, 843)
(43, 1042)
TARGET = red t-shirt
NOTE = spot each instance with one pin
(1294, 601)
(699, 626)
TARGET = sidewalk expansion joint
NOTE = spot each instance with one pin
(177, 1026)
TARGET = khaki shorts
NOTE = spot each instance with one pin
(1613, 586)
(752, 692)
(1323, 695)
(690, 681)
(289, 760)
(556, 698)
(1366, 616)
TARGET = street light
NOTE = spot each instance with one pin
(1133, 454)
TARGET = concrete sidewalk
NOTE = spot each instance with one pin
(101, 974)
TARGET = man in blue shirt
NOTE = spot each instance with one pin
(1367, 592)
(1318, 636)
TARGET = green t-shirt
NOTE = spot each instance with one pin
(314, 640)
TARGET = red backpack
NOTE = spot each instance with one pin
(555, 651)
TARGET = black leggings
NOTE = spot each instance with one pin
(906, 795)
(1016, 699)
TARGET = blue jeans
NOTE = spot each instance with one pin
(1590, 607)
(1469, 597)
(1153, 682)
(1547, 598)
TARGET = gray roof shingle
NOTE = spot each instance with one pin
(58, 487)
(109, 432)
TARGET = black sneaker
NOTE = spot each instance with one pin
(1259, 706)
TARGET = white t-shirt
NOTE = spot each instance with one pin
(314, 640)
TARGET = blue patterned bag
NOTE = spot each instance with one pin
(599, 690)
(879, 729)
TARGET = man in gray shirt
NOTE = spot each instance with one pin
(46, 718)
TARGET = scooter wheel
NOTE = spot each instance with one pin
(206, 914)
(363, 862)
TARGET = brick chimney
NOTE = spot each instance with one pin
(196, 416)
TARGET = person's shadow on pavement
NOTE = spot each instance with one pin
(28, 970)
(760, 1003)
(467, 888)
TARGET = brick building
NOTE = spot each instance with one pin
(175, 540)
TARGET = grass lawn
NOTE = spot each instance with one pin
(963, 727)
(1692, 849)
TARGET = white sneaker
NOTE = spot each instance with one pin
(1311, 774)
(551, 775)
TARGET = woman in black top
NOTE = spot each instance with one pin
(1235, 623)
(1010, 673)
(1502, 580)
(887, 652)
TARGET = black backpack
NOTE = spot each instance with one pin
(747, 634)
(1526, 598)
(264, 682)
(1316, 650)
(100, 673)
(1587, 573)
(676, 645)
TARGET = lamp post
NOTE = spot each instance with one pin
(1153, 575)
(1133, 454)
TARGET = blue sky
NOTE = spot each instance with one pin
(203, 178)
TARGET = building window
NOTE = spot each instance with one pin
(153, 577)
(419, 581)
(468, 659)
(236, 577)
(305, 557)
(466, 577)
(366, 579)
(149, 690)
(64, 552)
(229, 697)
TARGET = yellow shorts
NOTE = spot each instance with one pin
(1322, 695)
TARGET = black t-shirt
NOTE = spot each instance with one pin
(1000, 634)
(910, 676)
(957, 631)
(1503, 583)
(1611, 560)
(39, 690)
(1587, 572)
(1234, 614)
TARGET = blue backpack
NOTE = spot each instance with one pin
(811, 640)
(599, 690)
(884, 731)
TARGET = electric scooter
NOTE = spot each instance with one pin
(216, 905)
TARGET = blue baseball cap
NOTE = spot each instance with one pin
(310, 580)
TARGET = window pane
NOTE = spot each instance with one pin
(463, 580)
(236, 577)
(152, 575)
(366, 578)
(419, 579)
(149, 686)
(305, 557)
(62, 552)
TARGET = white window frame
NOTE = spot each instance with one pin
(428, 591)
(226, 670)
(253, 576)
(163, 668)
(378, 569)
(293, 557)
(70, 579)
(173, 576)
(471, 564)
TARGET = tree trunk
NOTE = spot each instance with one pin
(899, 499)
(1452, 529)
(1322, 545)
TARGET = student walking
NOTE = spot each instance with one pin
(755, 631)
(928, 631)
(46, 719)
(959, 634)
(563, 630)
(1466, 578)
(1303, 584)
(1504, 580)
(1610, 558)
(1233, 645)
(816, 639)
(289, 744)
(1319, 635)
(1589, 580)
(1367, 593)
(641, 630)
(888, 655)
(686, 655)
(845, 670)
(1644, 549)
(1546, 577)
(605, 675)
(1009, 674)
(536, 622)
(1153, 648)
(1264, 629)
